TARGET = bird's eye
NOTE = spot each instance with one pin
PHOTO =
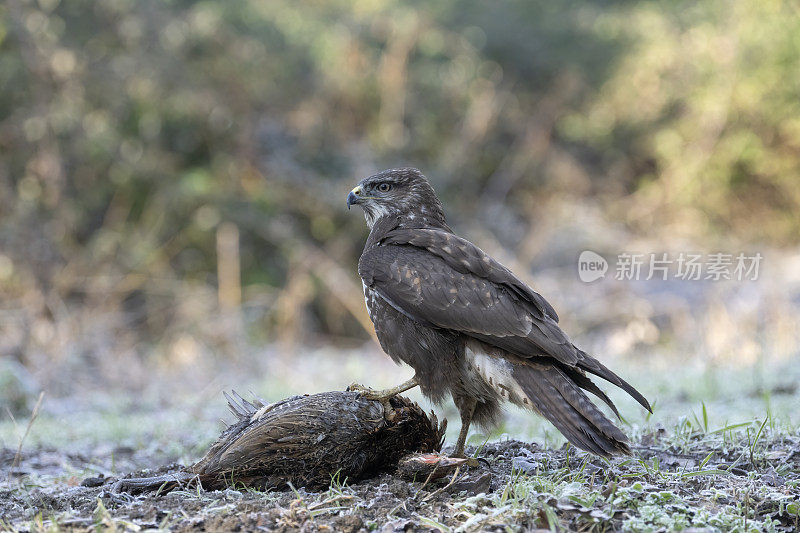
(384, 187)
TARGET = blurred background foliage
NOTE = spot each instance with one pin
(173, 173)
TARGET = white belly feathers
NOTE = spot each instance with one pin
(368, 297)
(497, 373)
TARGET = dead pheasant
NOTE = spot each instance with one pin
(304, 440)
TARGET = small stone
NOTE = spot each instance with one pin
(93, 481)
(525, 465)
(348, 523)
(479, 484)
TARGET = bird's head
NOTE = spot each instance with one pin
(402, 192)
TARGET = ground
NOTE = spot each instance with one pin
(742, 477)
(721, 452)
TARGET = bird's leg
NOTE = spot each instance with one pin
(467, 409)
(385, 395)
(381, 395)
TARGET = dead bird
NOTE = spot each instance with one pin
(303, 441)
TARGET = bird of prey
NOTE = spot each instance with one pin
(467, 325)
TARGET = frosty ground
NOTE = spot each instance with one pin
(744, 478)
(721, 453)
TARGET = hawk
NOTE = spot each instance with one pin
(467, 325)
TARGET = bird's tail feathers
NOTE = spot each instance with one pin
(559, 398)
(583, 381)
(593, 366)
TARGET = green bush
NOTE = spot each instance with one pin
(130, 129)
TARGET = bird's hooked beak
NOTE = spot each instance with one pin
(354, 196)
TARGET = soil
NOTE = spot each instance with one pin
(515, 486)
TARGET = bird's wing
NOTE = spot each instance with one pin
(465, 257)
(424, 286)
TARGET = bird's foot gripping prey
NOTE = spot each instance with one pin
(385, 395)
(467, 325)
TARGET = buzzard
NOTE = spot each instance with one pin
(467, 325)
